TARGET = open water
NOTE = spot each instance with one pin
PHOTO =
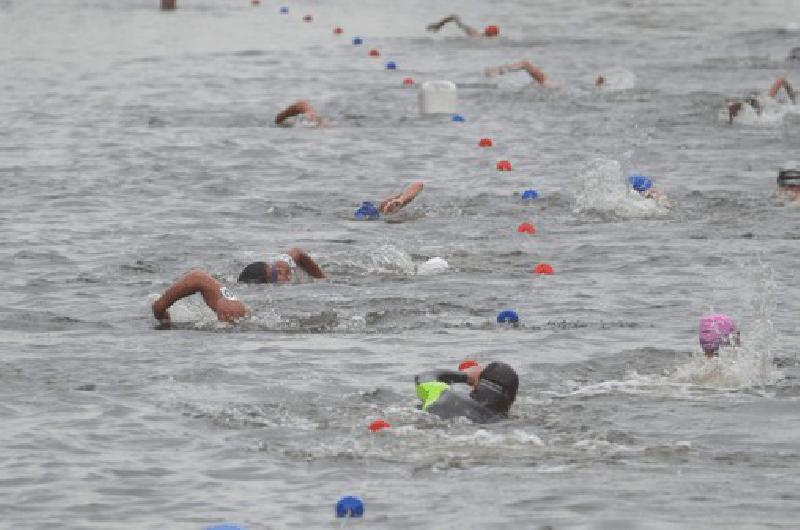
(137, 144)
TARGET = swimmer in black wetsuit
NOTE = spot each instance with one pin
(494, 389)
(217, 297)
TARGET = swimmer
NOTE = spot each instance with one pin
(644, 186)
(717, 331)
(757, 103)
(303, 109)
(220, 300)
(494, 389)
(488, 31)
(789, 184)
(394, 203)
(534, 71)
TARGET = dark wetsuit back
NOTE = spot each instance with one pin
(438, 398)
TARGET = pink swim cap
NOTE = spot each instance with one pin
(716, 331)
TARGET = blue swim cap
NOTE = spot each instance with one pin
(640, 183)
(529, 195)
(458, 118)
(357, 41)
(391, 65)
(349, 506)
(367, 210)
(507, 315)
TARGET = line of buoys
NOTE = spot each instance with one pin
(391, 65)
(504, 165)
(526, 228)
(357, 41)
(485, 142)
(408, 82)
(543, 268)
(337, 30)
(284, 10)
(350, 506)
(507, 316)
(374, 52)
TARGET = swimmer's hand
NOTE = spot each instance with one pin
(164, 320)
(391, 206)
(473, 375)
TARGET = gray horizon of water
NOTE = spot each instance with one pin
(138, 144)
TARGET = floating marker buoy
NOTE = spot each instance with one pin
(467, 364)
(507, 315)
(367, 210)
(408, 82)
(307, 18)
(377, 425)
(485, 142)
(504, 165)
(284, 10)
(350, 506)
(438, 97)
(374, 52)
(255, 2)
(391, 65)
(457, 118)
(528, 195)
(526, 228)
(226, 526)
(337, 30)
(357, 41)
(543, 268)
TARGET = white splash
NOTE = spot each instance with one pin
(602, 190)
(434, 265)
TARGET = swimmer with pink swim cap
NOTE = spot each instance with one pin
(716, 331)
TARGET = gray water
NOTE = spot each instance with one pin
(136, 145)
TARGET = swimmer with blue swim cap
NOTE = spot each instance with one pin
(304, 110)
(645, 187)
(219, 299)
(489, 31)
(493, 391)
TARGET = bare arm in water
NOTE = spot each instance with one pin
(298, 108)
(470, 31)
(529, 67)
(227, 308)
(776, 87)
(396, 202)
(302, 259)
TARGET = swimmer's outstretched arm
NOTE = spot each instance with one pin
(305, 261)
(227, 309)
(394, 203)
(297, 108)
(470, 31)
(529, 67)
(776, 87)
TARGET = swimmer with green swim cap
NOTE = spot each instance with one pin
(494, 389)
(220, 300)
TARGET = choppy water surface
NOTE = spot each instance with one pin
(137, 144)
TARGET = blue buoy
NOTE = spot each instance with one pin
(357, 41)
(640, 183)
(226, 526)
(367, 210)
(349, 506)
(507, 315)
(458, 118)
(391, 65)
(529, 195)
(284, 10)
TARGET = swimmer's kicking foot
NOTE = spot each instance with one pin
(488, 31)
(393, 204)
(300, 108)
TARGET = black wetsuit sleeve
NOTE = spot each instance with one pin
(443, 376)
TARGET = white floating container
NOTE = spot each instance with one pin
(437, 97)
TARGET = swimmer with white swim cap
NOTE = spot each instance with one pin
(757, 102)
(304, 110)
(490, 31)
(717, 331)
(220, 300)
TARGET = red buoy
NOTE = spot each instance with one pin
(374, 53)
(485, 142)
(408, 81)
(377, 425)
(337, 30)
(543, 268)
(504, 165)
(526, 228)
(307, 18)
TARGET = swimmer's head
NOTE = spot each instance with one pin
(256, 272)
(639, 182)
(497, 387)
(717, 331)
(491, 31)
(788, 178)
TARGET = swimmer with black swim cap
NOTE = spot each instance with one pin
(789, 184)
(219, 299)
(494, 389)
(490, 31)
(757, 103)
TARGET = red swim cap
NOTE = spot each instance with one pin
(491, 31)
(466, 364)
(377, 425)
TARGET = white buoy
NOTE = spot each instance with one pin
(437, 97)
